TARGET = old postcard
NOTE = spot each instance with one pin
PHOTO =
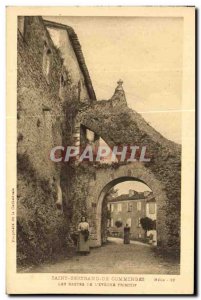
(100, 150)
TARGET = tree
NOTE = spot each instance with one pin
(147, 224)
(112, 193)
(118, 224)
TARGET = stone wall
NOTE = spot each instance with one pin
(61, 39)
(44, 120)
(118, 125)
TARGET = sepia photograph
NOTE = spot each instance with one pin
(100, 149)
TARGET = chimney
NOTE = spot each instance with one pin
(131, 193)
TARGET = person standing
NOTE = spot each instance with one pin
(126, 234)
(83, 239)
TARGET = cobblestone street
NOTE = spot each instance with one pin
(115, 257)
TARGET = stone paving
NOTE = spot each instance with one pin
(113, 258)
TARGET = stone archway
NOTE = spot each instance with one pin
(106, 180)
(101, 199)
(119, 125)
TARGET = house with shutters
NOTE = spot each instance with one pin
(129, 209)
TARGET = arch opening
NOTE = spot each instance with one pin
(128, 202)
(88, 137)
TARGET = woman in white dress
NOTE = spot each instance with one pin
(83, 239)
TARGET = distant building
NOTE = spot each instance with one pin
(129, 209)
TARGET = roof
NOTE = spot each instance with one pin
(136, 196)
(78, 52)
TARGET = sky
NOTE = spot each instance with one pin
(146, 53)
(123, 188)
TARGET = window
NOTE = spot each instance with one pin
(119, 207)
(90, 135)
(59, 202)
(152, 208)
(130, 207)
(112, 222)
(47, 118)
(47, 59)
(128, 221)
(112, 207)
(139, 205)
(138, 223)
